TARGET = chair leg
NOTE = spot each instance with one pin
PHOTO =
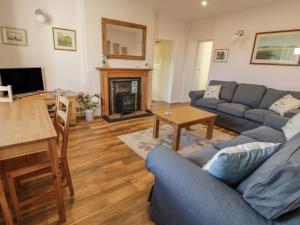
(3, 202)
(67, 174)
(14, 197)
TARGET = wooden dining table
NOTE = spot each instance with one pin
(25, 129)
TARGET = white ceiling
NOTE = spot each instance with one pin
(192, 9)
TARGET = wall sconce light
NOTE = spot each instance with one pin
(297, 51)
(40, 16)
(238, 34)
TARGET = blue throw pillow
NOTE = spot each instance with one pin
(233, 164)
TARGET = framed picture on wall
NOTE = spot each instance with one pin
(221, 55)
(277, 48)
(14, 36)
(64, 39)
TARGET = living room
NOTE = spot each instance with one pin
(142, 141)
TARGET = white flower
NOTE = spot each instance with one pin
(95, 100)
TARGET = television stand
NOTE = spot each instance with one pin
(26, 94)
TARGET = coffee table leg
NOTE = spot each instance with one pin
(156, 128)
(210, 129)
(176, 137)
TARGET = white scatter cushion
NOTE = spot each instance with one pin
(285, 104)
(292, 127)
(212, 91)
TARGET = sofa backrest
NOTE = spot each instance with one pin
(249, 94)
(228, 88)
(272, 95)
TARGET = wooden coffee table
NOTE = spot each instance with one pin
(183, 117)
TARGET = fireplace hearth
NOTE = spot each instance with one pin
(124, 93)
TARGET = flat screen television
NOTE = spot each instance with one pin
(22, 80)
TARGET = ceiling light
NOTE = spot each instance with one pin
(204, 3)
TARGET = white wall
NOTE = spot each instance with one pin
(278, 16)
(62, 68)
(135, 11)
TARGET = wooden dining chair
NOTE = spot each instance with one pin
(9, 97)
(61, 123)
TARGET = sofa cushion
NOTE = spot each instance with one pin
(258, 115)
(266, 134)
(239, 140)
(233, 109)
(292, 113)
(285, 104)
(212, 91)
(275, 121)
(202, 156)
(227, 90)
(272, 95)
(292, 127)
(233, 164)
(274, 188)
(210, 103)
(249, 94)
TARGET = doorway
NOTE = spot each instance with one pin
(162, 70)
(204, 55)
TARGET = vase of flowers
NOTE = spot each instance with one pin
(88, 104)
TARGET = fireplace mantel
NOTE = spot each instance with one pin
(106, 73)
(123, 69)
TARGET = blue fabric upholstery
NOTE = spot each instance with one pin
(233, 109)
(258, 115)
(274, 188)
(202, 156)
(184, 194)
(228, 88)
(195, 95)
(266, 134)
(276, 122)
(272, 95)
(239, 140)
(210, 103)
(249, 94)
(232, 165)
(292, 113)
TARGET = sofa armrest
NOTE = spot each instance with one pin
(276, 122)
(195, 95)
(205, 199)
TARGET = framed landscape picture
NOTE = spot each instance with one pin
(14, 36)
(221, 55)
(64, 39)
(277, 48)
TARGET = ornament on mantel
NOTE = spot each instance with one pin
(104, 61)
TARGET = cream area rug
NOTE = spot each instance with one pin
(142, 142)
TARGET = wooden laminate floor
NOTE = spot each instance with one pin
(110, 180)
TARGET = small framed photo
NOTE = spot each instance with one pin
(221, 55)
(14, 36)
(64, 39)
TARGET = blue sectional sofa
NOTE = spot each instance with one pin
(241, 107)
(184, 194)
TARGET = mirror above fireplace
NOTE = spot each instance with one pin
(123, 40)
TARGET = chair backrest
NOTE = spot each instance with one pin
(58, 93)
(62, 122)
(7, 89)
